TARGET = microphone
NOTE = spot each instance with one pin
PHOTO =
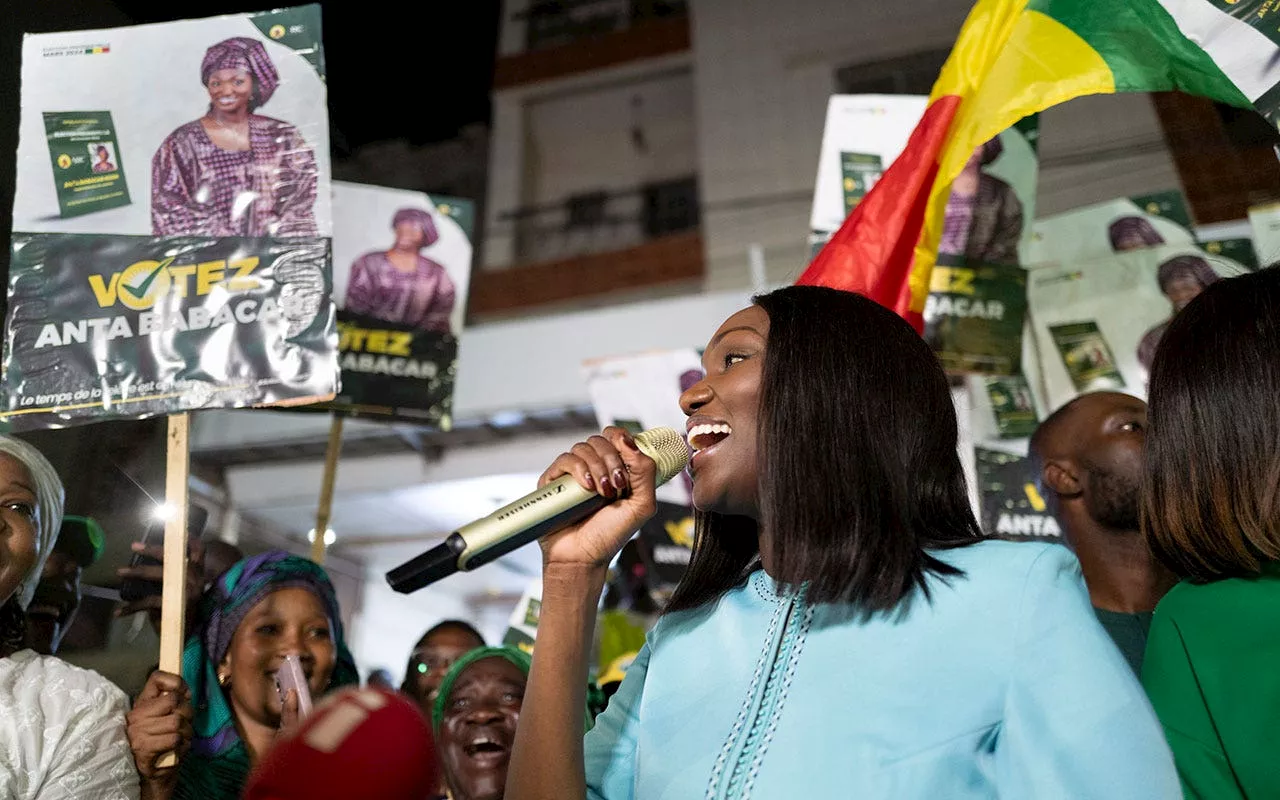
(557, 505)
(358, 743)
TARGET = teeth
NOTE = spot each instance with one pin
(706, 429)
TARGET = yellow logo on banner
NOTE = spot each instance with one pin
(681, 532)
(952, 280)
(276, 31)
(64, 160)
(1033, 497)
(141, 285)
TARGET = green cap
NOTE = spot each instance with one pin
(518, 657)
(82, 538)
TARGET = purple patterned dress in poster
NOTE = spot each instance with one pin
(422, 299)
(197, 188)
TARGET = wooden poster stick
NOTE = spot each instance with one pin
(326, 488)
(173, 600)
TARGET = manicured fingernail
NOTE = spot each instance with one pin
(605, 487)
(591, 482)
(619, 479)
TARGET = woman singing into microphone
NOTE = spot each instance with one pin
(843, 630)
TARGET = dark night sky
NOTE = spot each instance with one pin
(417, 71)
(396, 69)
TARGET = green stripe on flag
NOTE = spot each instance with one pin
(1142, 45)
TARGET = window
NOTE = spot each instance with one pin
(910, 74)
(670, 207)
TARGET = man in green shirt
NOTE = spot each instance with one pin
(1088, 455)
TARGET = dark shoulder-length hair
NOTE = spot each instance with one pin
(1211, 499)
(859, 477)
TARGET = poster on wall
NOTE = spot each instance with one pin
(1264, 220)
(214, 127)
(402, 265)
(171, 221)
(642, 391)
(863, 135)
(1115, 226)
(977, 296)
(1097, 321)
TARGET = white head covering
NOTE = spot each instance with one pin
(49, 500)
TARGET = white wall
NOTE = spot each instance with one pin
(390, 623)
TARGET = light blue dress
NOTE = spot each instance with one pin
(1004, 685)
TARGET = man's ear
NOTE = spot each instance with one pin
(1060, 477)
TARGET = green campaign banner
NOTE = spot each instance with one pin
(860, 171)
(1012, 506)
(1088, 357)
(1013, 406)
(974, 317)
(394, 371)
(977, 302)
(108, 327)
(87, 169)
(402, 264)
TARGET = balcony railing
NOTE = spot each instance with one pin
(550, 23)
(604, 221)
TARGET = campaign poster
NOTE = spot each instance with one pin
(402, 265)
(172, 218)
(974, 315)
(1122, 225)
(1013, 406)
(667, 546)
(212, 127)
(863, 135)
(132, 326)
(1264, 220)
(522, 626)
(642, 391)
(1012, 506)
(1097, 321)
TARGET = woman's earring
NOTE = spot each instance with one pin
(224, 679)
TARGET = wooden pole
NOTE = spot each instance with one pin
(173, 600)
(326, 488)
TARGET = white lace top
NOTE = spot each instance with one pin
(62, 733)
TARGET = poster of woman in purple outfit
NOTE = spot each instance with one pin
(233, 171)
(400, 285)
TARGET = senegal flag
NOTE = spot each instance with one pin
(1014, 58)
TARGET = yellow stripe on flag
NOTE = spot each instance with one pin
(1008, 63)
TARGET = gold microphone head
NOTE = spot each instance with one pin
(668, 448)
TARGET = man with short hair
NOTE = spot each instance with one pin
(1088, 458)
(57, 598)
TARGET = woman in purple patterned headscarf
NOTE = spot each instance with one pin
(233, 172)
(983, 221)
(1181, 279)
(401, 285)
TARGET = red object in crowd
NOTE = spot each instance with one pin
(358, 743)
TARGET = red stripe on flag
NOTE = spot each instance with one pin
(873, 251)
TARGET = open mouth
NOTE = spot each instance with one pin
(704, 436)
(485, 746)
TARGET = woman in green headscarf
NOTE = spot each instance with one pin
(261, 610)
